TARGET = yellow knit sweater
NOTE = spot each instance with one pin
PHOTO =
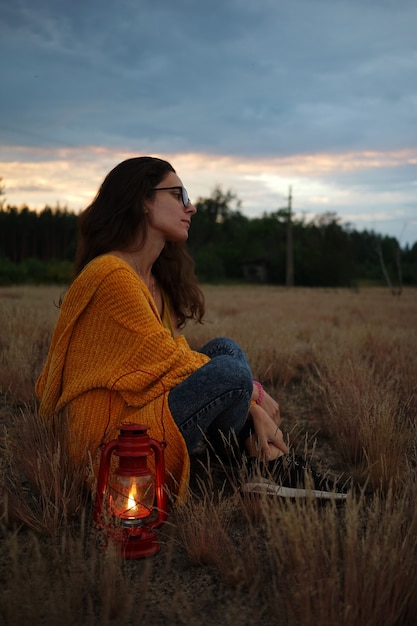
(111, 360)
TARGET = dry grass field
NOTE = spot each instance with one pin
(343, 366)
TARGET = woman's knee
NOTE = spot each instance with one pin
(223, 346)
(227, 371)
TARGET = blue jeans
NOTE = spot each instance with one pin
(215, 399)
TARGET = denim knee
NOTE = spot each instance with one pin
(221, 346)
(227, 371)
(216, 397)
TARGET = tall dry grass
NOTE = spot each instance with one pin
(343, 367)
(27, 316)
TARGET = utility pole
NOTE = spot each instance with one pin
(290, 248)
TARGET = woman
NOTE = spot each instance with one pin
(117, 353)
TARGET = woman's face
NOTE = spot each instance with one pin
(167, 215)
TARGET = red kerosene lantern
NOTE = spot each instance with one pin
(125, 498)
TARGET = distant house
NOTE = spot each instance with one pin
(255, 271)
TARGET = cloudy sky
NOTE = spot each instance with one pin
(256, 96)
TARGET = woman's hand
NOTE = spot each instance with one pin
(269, 441)
(269, 405)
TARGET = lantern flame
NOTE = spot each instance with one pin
(132, 497)
(131, 501)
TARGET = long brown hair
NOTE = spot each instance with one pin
(116, 216)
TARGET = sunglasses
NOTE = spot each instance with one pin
(184, 194)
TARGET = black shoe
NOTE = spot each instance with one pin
(290, 476)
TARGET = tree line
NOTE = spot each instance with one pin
(39, 246)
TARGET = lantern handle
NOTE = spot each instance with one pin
(103, 477)
(161, 496)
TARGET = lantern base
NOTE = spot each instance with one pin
(137, 544)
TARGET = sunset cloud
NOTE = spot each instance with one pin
(256, 96)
